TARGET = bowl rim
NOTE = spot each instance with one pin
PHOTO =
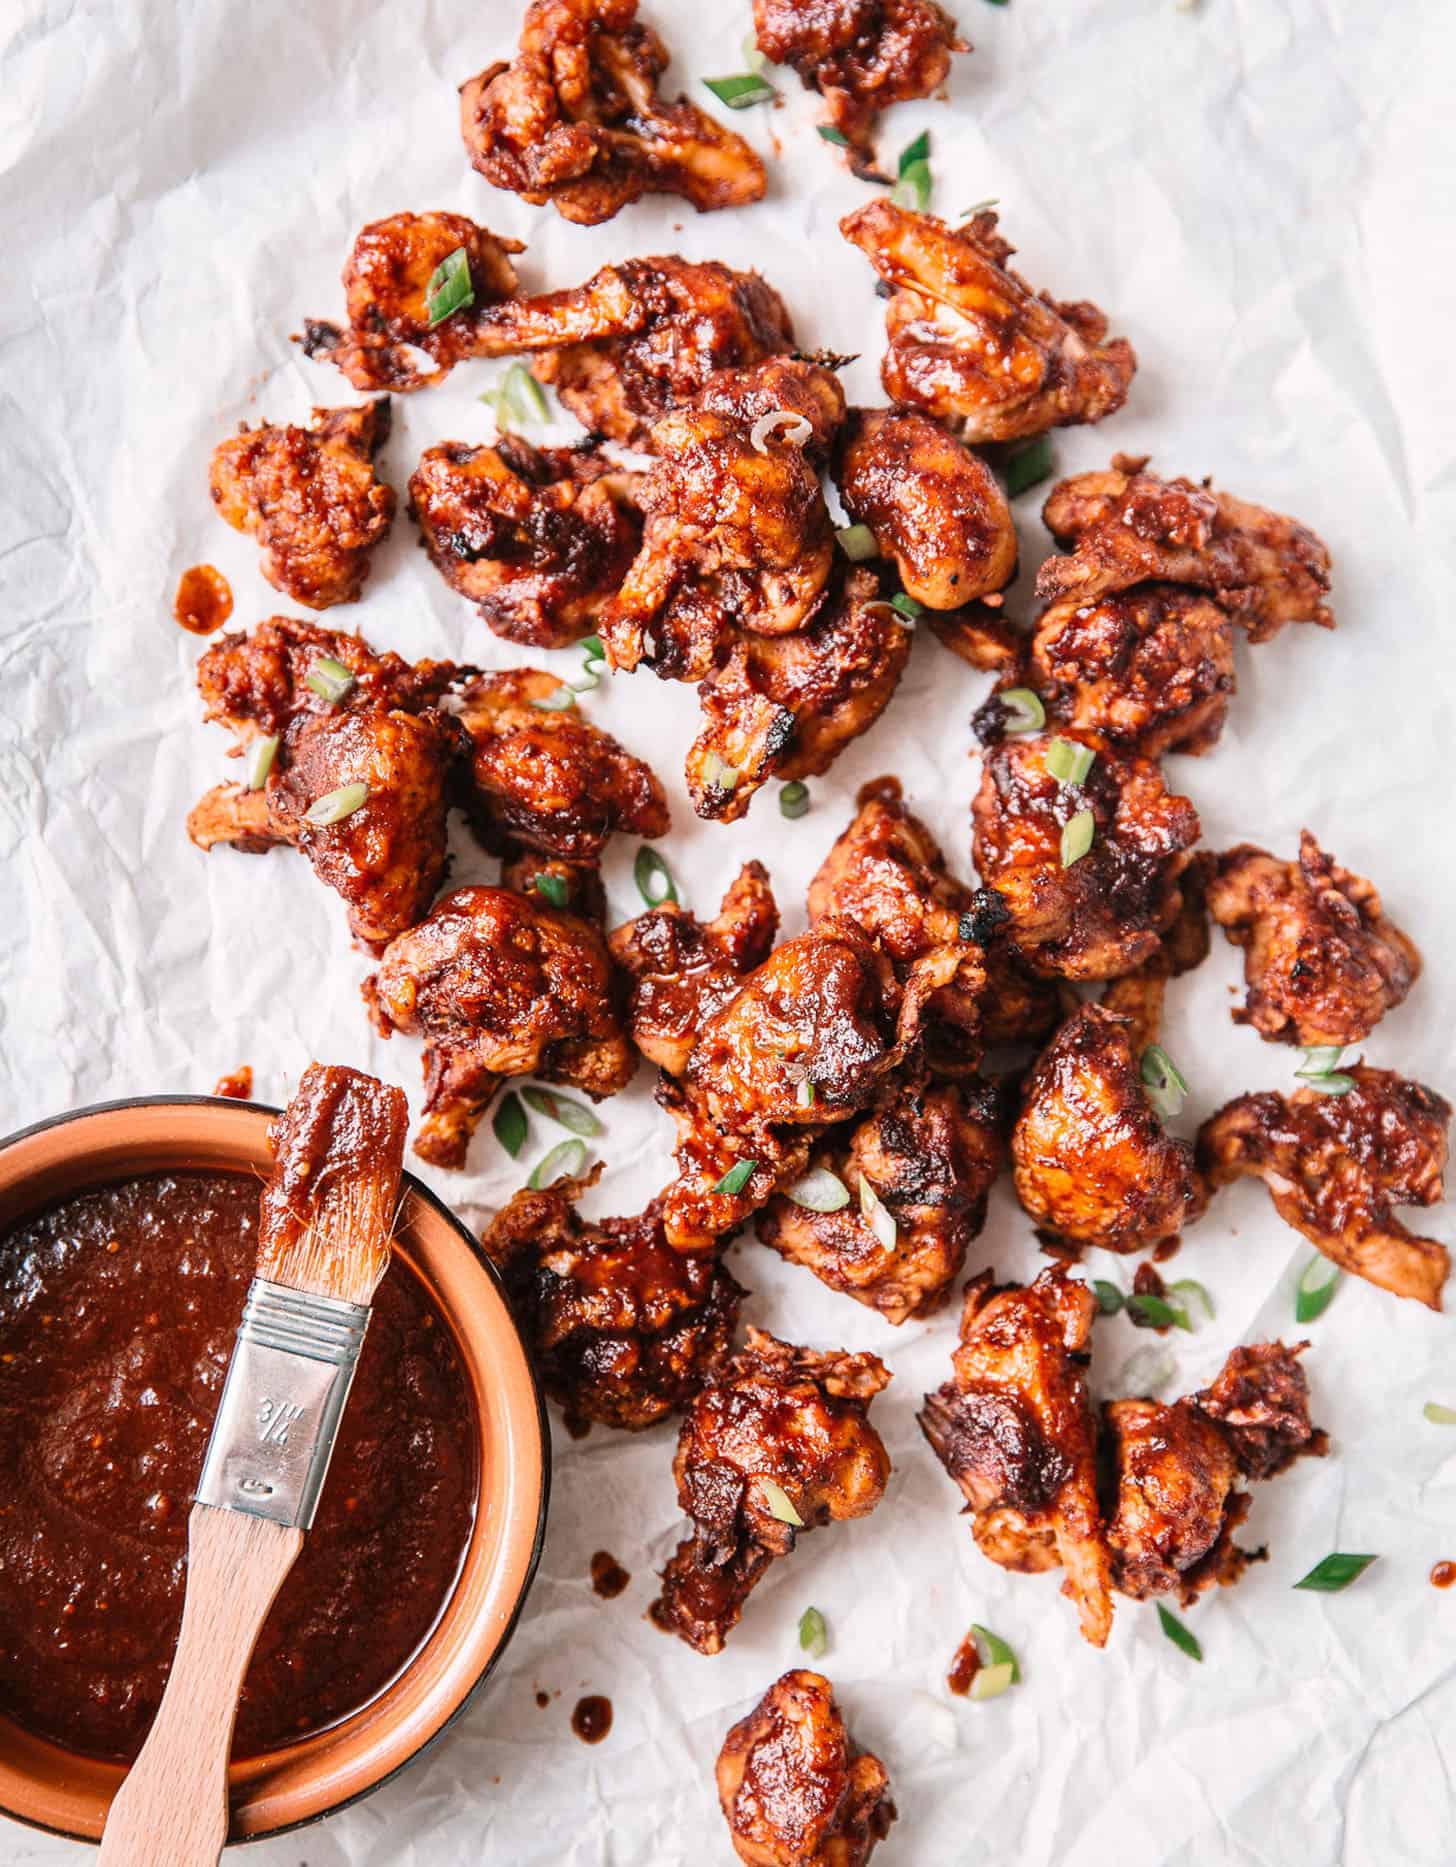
(456, 1226)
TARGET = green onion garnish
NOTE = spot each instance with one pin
(593, 648)
(562, 1109)
(794, 799)
(819, 1191)
(739, 92)
(813, 1634)
(260, 761)
(970, 213)
(334, 806)
(450, 288)
(1337, 1083)
(517, 400)
(1109, 1298)
(510, 1125)
(1068, 760)
(329, 679)
(804, 1094)
(995, 1652)
(857, 542)
(564, 1162)
(1157, 1312)
(907, 606)
(1315, 1290)
(915, 184)
(916, 151)
(1337, 1571)
(992, 1681)
(1023, 709)
(1439, 1415)
(1077, 835)
(557, 701)
(1192, 1291)
(831, 135)
(877, 1216)
(1319, 1072)
(1170, 1624)
(1166, 1087)
(653, 878)
(1029, 466)
(718, 774)
(737, 1177)
(752, 56)
(552, 888)
(780, 1504)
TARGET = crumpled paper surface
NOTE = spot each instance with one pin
(1259, 195)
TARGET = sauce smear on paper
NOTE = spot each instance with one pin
(592, 1719)
(204, 600)
(608, 1577)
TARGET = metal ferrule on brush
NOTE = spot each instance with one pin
(293, 1364)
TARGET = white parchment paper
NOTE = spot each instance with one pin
(1260, 194)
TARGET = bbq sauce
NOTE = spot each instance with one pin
(964, 1667)
(592, 1719)
(204, 600)
(1443, 1575)
(608, 1577)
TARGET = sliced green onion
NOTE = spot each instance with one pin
(831, 135)
(1192, 1291)
(1321, 1060)
(1068, 760)
(992, 1681)
(552, 888)
(260, 761)
(450, 288)
(813, 1634)
(556, 702)
(1109, 1298)
(819, 1191)
(587, 679)
(794, 800)
(564, 1162)
(334, 806)
(907, 606)
(1337, 1571)
(876, 1215)
(916, 151)
(1335, 1084)
(1077, 837)
(857, 542)
(517, 400)
(995, 1651)
(915, 184)
(562, 1109)
(804, 1095)
(1170, 1624)
(737, 1177)
(329, 679)
(653, 878)
(718, 774)
(593, 648)
(1029, 466)
(742, 90)
(970, 213)
(510, 1125)
(1157, 1312)
(1315, 1291)
(1439, 1415)
(780, 1504)
(1023, 708)
(1164, 1082)
(753, 57)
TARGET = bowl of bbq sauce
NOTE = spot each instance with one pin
(127, 1239)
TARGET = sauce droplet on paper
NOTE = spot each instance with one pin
(204, 600)
(608, 1577)
(237, 1085)
(1443, 1575)
(592, 1719)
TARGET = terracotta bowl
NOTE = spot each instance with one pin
(55, 1789)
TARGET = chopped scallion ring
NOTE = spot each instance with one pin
(556, 702)
(450, 288)
(1320, 1060)
(1192, 1291)
(1023, 710)
(1176, 1631)
(718, 774)
(877, 1215)
(907, 606)
(1439, 1415)
(1029, 467)
(915, 151)
(813, 1634)
(857, 542)
(593, 647)
(831, 135)
(794, 799)
(970, 213)
(819, 1191)
(1315, 1291)
(780, 424)
(742, 90)
(334, 806)
(994, 1651)
(564, 1162)
(992, 1681)
(1337, 1083)
(1156, 1312)
(329, 679)
(915, 184)
(1068, 760)
(510, 1125)
(1166, 1087)
(1336, 1572)
(526, 392)
(804, 1095)
(1078, 834)
(736, 1178)
(653, 878)
(562, 1109)
(552, 888)
(1109, 1298)
(260, 761)
(780, 1504)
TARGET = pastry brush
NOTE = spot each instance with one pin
(326, 1215)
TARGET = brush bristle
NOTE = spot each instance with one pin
(328, 1208)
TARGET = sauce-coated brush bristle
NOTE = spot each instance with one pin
(328, 1207)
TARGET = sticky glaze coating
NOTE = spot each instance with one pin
(117, 1314)
(539, 539)
(789, 1416)
(794, 1790)
(311, 499)
(1101, 916)
(576, 120)
(1093, 1162)
(934, 507)
(971, 343)
(625, 1330)
(1335, 1165)
(1323, 962)
(387, 300)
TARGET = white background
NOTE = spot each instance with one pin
(1260, 194)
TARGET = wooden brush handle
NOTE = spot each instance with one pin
(172, 1810)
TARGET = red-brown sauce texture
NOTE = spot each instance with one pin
(204, 600)
(117, 1314)
(237, 1084)
(964, 1667)
(1443, 1575)
(608, 1577)
(592, 1719)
